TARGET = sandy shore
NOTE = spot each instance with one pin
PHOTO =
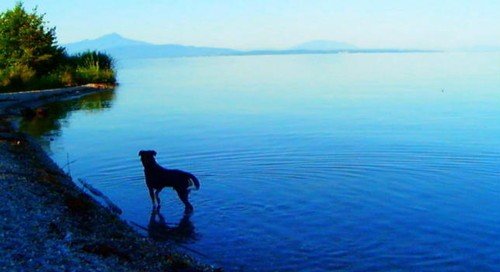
(48, 223)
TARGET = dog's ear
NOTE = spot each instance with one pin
(141, 152)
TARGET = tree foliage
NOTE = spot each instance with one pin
(31, 59)
(26, 43)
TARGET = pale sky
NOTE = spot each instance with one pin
(258, 24)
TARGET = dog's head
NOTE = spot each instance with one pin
(147, 156)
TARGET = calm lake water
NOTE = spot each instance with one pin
(355, 162)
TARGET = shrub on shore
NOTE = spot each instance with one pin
(31, 59)
(93, 66)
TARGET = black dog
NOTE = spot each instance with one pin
(158, 177)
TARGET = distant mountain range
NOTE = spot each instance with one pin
(106, 42)
(122, 48)
(324, 46)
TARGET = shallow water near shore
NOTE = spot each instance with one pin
(353, 162)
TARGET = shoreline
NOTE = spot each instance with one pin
(49, 222)
(12, 103)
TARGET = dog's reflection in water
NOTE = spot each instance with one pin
(160, 230)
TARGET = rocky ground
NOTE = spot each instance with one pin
(48, 223)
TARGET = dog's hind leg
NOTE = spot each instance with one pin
(184, 197)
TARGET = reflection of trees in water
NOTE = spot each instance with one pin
(49, 123)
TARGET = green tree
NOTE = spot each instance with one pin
(31, 59)
(27, 45)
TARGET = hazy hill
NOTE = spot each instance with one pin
(103, 43)
(121, 47)
(324, 45)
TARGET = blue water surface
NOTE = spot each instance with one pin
(352, 162)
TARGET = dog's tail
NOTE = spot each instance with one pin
(193, 181)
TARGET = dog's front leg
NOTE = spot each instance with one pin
(157, 194)
(152, 195)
